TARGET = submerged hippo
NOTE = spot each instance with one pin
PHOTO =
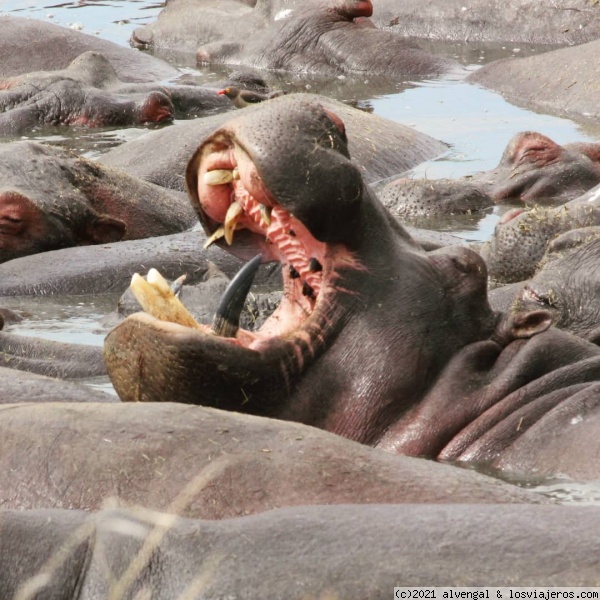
(374, 339)
(533, 169)
(569, 78)
(382, 148)
(521, 237)
(562, 22)
(88, 93)
(296, 553)
(327, 40)
(31, 45)
(566, 284)
(185, 24)
(51, 198)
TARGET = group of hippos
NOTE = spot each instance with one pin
(358, 419)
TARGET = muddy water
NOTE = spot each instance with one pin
(477, 125)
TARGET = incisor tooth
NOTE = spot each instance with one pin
(234, 212)
(236, 173)
(160, 302)
(217, 235)
(218, 177)
(158, 281)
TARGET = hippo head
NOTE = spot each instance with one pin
(42, 207)
(368, 319)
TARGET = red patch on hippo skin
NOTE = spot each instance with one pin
(591, 150)
(513, 213)
(156, 108)
(19, 219)
(535, 148)
(352, 9)
(337, 122)
(7, 84)
(362, 8)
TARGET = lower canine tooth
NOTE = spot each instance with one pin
(218, 177)
(217, 235)
(234, 212)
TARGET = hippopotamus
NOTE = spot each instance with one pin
(30, 45)
(54, 359)
(209, 463)
(326, 40)
(565, 22)
(88, 93)
(295, 553)
(185, 24)
(382, 148)
(51, 198)
(18, 386)
(522, 237)
(565, 284)
(568, 76)
(352, 274)
(533, 169)
(107, 268)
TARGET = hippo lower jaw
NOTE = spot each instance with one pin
(316, 301)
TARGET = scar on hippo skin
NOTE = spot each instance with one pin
(533, 170)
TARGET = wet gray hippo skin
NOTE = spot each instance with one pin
(570, 78)
(533, 169)
(298, 553)
(107, 269)
(566, 284)
(203, 462)
(382, 148)
(88, 93)
(20, 386)
(521, 238)
(54, 359)
(183, 25)
(562, 22)
(51, 198)
(322, 362)
(79, 95)
(30, 45)
(326, 40)
(186, 24)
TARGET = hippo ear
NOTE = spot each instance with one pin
(524, 325)
(104, 230)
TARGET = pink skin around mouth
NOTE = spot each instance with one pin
(286, 239)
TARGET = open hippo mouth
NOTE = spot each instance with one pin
(221, 365)
(233, 197)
